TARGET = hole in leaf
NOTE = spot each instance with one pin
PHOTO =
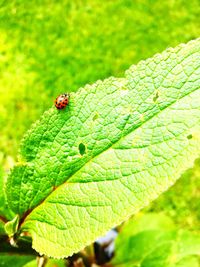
(81, 148)
(155, 97)
(189, 136)
(95, 117)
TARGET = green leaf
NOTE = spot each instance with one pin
(7, 260)
(32, 263)
(55, 263)
(171, 253)
(139, 133)
(156, 246)
(49, 263)
(3, 207)
(5, 212)
(2, 203)
(11, 227)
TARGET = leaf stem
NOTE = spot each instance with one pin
(3, 219)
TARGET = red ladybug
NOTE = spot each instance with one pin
(62, 101)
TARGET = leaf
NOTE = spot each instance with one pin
(117, 145)
(2, 203)
(170, 253)
(155, 247)
(5, 212)
(56, 263)
(49, 263)
(7, 260)
(11, 227)
(32, 263)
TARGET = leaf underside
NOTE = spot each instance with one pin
(118, 144)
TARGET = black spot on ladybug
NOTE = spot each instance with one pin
(62, 101)
(82, 149)
(189, 136)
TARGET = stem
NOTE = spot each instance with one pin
(3, 219)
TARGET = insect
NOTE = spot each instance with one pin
(62, 101)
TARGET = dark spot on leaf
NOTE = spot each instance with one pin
(95, 117)
(81, 148)
(155, 97)
(189, 136)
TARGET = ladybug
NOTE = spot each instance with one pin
(62, 101)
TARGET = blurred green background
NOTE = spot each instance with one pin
(49, 47)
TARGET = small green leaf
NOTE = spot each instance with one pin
(118, 144)
(11, 227)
